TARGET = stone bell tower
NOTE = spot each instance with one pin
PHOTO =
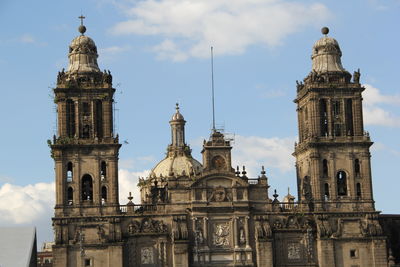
(332, 156)
(85, 152)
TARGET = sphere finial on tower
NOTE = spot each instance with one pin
(325, 30)
(81, 28)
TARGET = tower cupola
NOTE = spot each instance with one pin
(326, 55)
(82, 54)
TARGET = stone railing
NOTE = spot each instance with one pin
(141, 208)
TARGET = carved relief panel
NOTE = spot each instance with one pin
(221, 234)
(146, 255)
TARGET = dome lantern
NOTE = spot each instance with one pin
(82, 53)
(179, 161)
(326, 55)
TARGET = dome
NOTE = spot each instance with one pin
(288, 198)
(177, 166)
(326, 56)
(177, 115)
(179, 161)
(82, 55)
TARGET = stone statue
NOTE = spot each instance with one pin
(242, 238)
(199, 236)
(356, 76)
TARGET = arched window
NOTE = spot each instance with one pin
(103, 170)
(99, 118)
(70, 121)
(70, 196)
(323, 117)
(325, 167)
(87, 187)
(358, 190)
(103, 195)
(326, 191)
(69, 172)
(349, 117)
(357, 167)
(341, 179)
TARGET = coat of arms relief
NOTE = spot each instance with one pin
(221, 234)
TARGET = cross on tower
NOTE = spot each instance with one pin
(81, 17)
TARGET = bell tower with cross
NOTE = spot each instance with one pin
(85, 151)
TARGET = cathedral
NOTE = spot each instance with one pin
(208, 213)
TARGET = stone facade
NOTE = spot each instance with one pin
(211, 214)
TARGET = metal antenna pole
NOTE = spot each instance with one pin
(212, 87)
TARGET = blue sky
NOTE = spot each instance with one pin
(158, 53)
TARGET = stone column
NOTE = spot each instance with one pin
(107, 118)
(357, 117)
(60, 183)
(62, 115)
(235, 232)
(366, 181)
(330, 119)
(113, 181)
(316, 179)
(96, 183)
(246, 230)
(93, 132)
(299, 123)
(205, 230)
(165, 259)
(77, 119)
(333, 192)
(77, 177)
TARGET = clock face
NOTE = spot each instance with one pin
(218, 162)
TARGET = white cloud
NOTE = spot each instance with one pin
(30, 203)
(374, 114)
(168, 49)
(190, 27)
(128, 183)
(373, 96)
(34, 204)
(25, 204)
(254, 152)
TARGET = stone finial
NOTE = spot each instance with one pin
(263, 171)
(325, 31)
(244, 171)
(275, 195)
(81, 28)
(130, 197)
(237, 171)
